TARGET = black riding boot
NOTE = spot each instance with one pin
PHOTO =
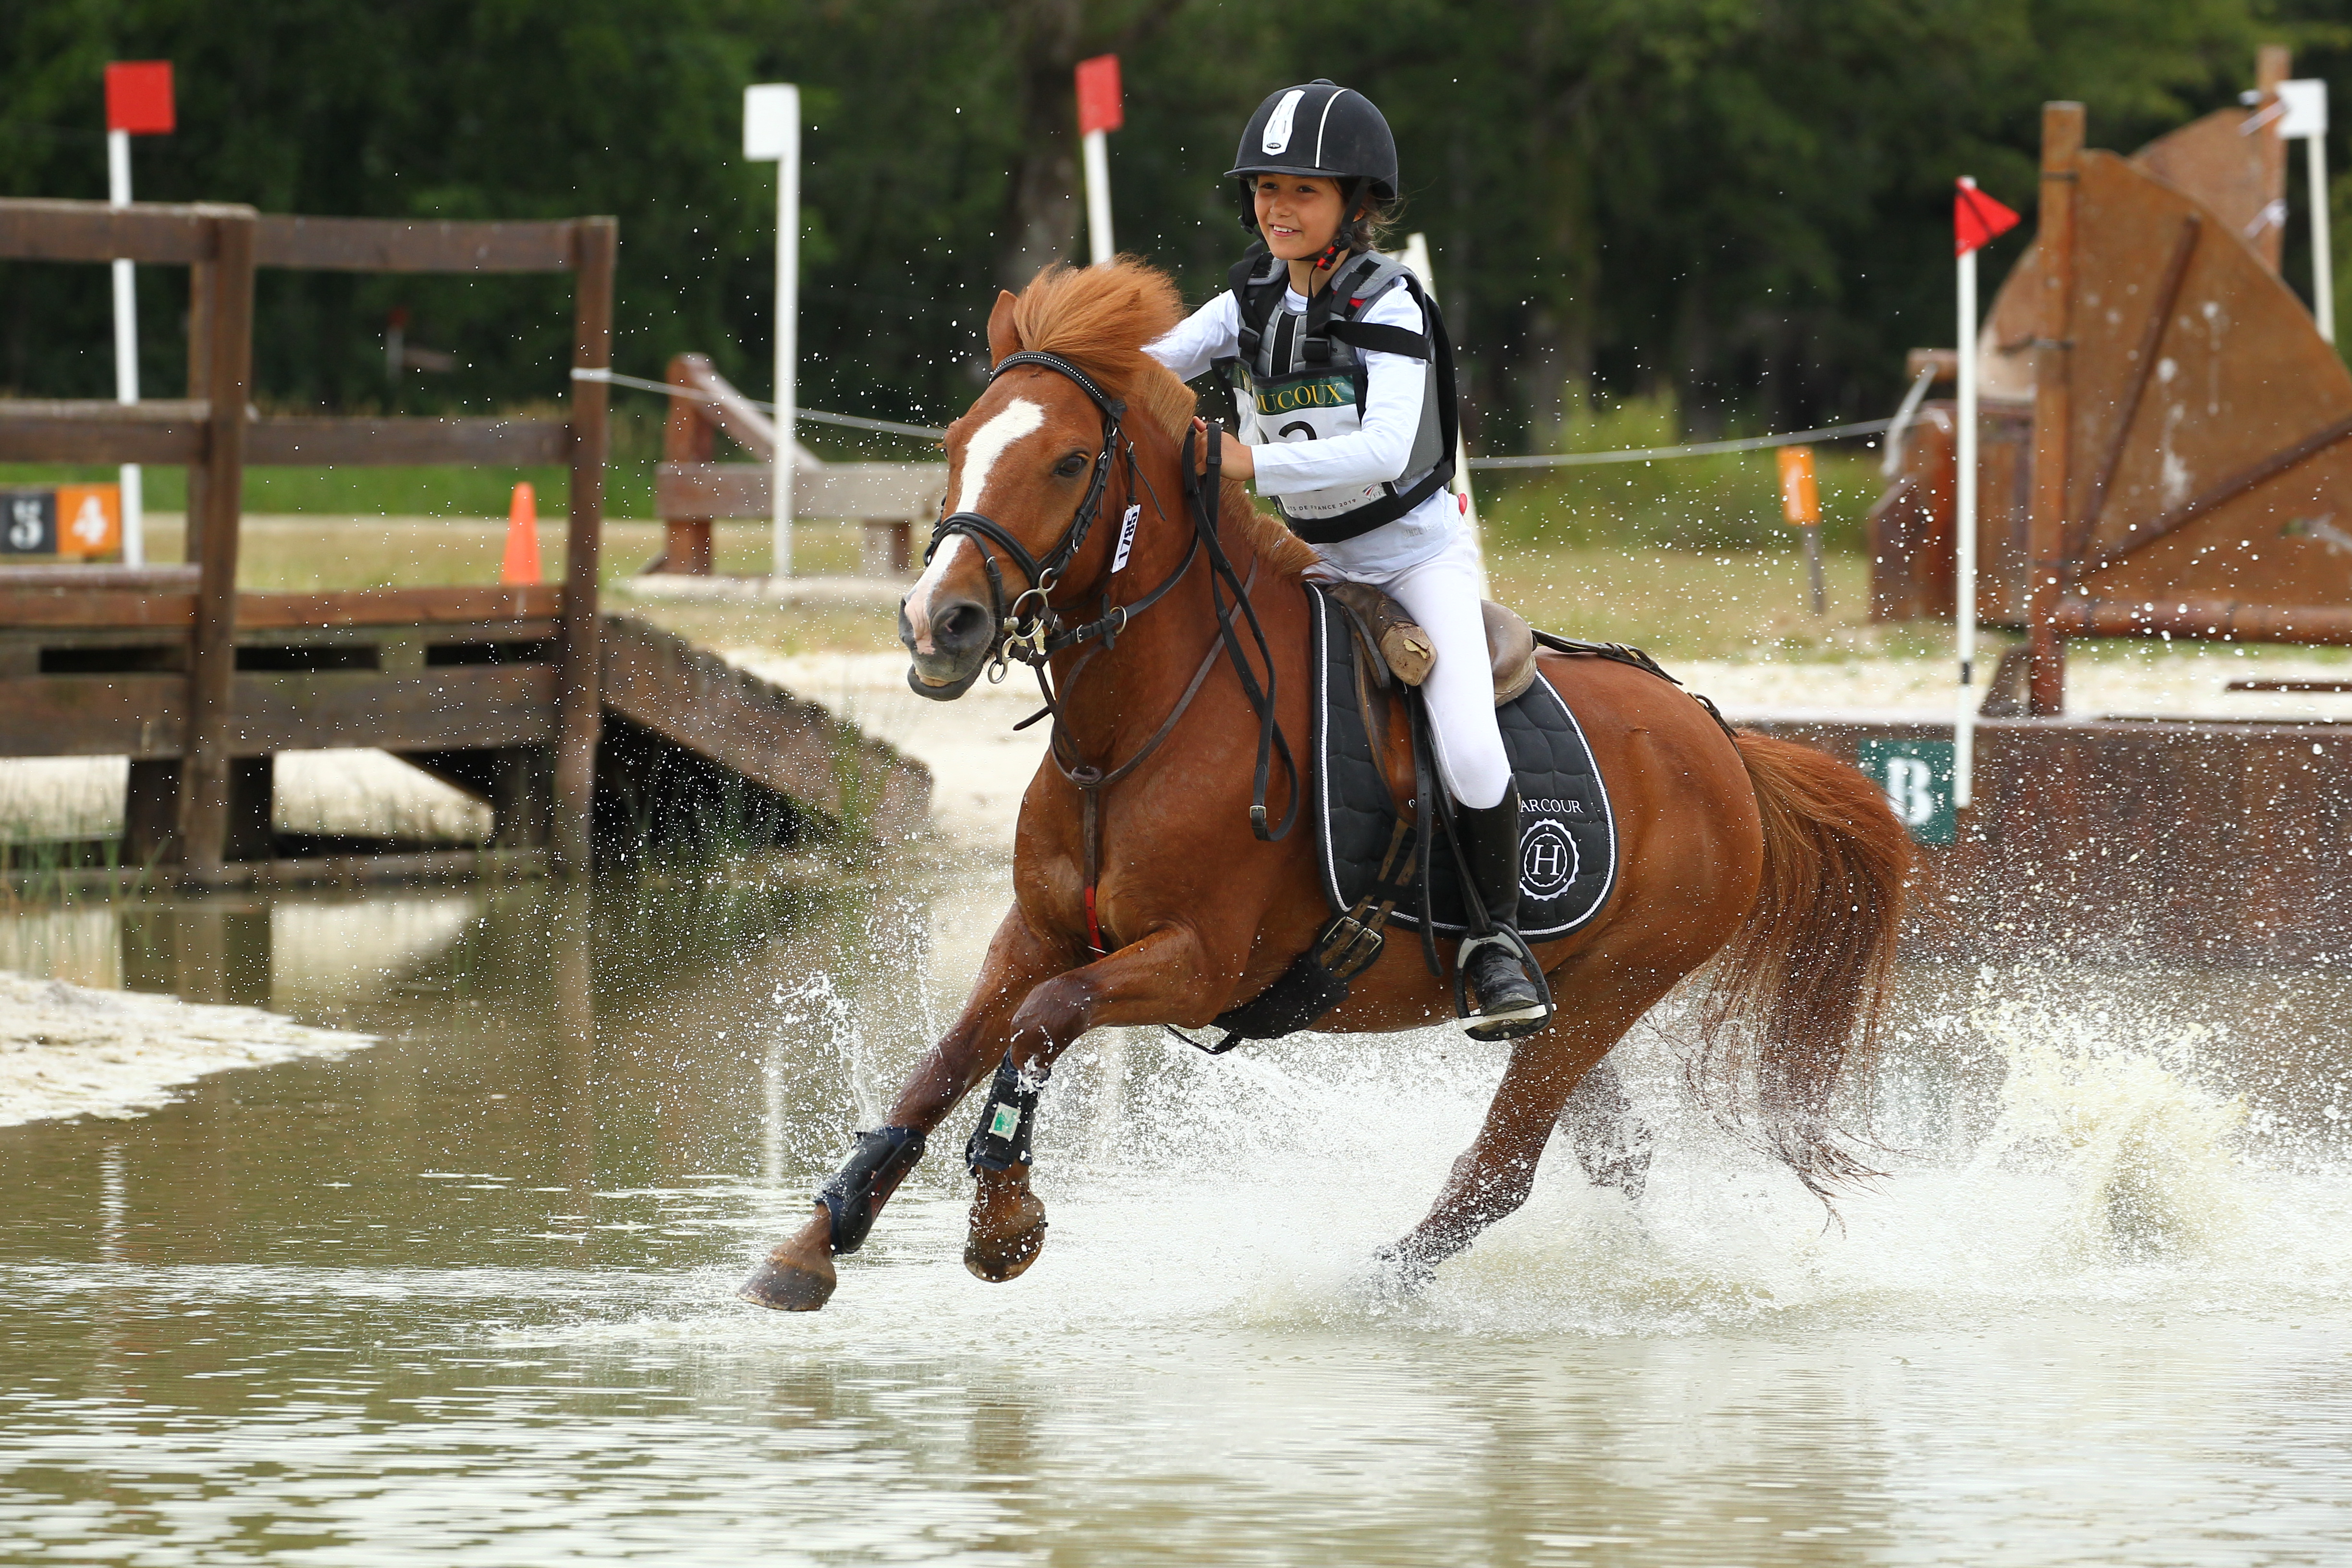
(1510, 1000)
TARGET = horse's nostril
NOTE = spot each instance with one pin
(959, 626)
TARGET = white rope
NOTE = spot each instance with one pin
(1562, 461)
(853, 421)
(1904, 415)
(1695, 449)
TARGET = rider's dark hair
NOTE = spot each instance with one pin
(1369, 227)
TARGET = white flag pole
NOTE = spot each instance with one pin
(1964, 578)
(1416, 257)
(1102, 109)
(2304, 118)
(1099, 248)
(126, 351)
(2323, 260)
(772, 133)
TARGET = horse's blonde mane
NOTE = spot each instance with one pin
(1100, 318)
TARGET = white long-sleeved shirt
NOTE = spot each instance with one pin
(1376, 453)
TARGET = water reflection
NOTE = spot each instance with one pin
(464, 1297)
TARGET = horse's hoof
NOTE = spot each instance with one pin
(1396, 1272)
(790, 1284)
(798, 1275)
(1008, 1232)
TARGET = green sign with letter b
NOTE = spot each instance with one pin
(1918, 778)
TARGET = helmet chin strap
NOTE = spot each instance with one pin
(1332, 252)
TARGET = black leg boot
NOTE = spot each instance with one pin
(1511, 1001)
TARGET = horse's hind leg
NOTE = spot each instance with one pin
(798, 1275)
(1612, 1142)
(1492, 1178)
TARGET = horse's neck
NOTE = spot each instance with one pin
(1123, 694)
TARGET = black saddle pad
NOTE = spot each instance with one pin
(1568, 839)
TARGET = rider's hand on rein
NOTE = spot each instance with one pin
(1234, 453)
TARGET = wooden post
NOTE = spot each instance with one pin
(199, 329)
(686, 438)
(2062, 147)
(150, 811)
(577, 716)
(2272, 63)
(212, 646)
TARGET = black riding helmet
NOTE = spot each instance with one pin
(1323, 129)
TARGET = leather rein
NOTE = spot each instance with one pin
(1032, 630)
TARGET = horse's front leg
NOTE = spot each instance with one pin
(798, 1276)
(1162, 977)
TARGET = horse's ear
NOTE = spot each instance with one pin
(1001, 339)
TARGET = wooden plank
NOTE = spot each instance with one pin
(401, 606)
(443, 709)
(419, 636)
(695, 700)
(403, 245)
(212, 648)
(101, 574)
(2217, 619)
(511, 613)
(145, 716)
(838, 492)
(728, 409)
(96, 608)
(98, 231)
(579, 715)
(142, 717)
(303, 440)
(40, 431)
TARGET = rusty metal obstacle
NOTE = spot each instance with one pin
(2164, 450)
(2164, 439)
(508, 691)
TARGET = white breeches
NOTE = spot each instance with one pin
(1442, 595)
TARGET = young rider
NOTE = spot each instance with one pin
(1348, 428)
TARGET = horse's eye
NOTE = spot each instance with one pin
(1071, 466)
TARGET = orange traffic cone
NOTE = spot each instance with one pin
(522, 538)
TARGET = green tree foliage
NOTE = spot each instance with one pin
(1741, 203)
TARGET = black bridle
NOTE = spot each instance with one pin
(1032, 630)
(1022, 632)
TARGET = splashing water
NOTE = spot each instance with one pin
(2151, 1156)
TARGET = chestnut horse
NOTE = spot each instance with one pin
(1782, 864)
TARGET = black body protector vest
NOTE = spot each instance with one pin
(1301, 378)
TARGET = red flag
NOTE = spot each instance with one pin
(1976, 219)
(1099, 107)
(139, 97)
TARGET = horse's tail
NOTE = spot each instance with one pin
(1797, 996)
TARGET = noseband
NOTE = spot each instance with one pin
(1024, 630)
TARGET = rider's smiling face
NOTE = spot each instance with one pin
(1299, 214)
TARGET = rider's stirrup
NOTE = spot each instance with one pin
(1496, 970)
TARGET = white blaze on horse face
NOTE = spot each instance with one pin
(1018, 419)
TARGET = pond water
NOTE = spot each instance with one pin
(465, 1297)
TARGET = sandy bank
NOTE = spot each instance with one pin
(68, 1051)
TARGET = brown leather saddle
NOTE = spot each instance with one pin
(1396, 649)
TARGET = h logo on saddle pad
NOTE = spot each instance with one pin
(1547, 860)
